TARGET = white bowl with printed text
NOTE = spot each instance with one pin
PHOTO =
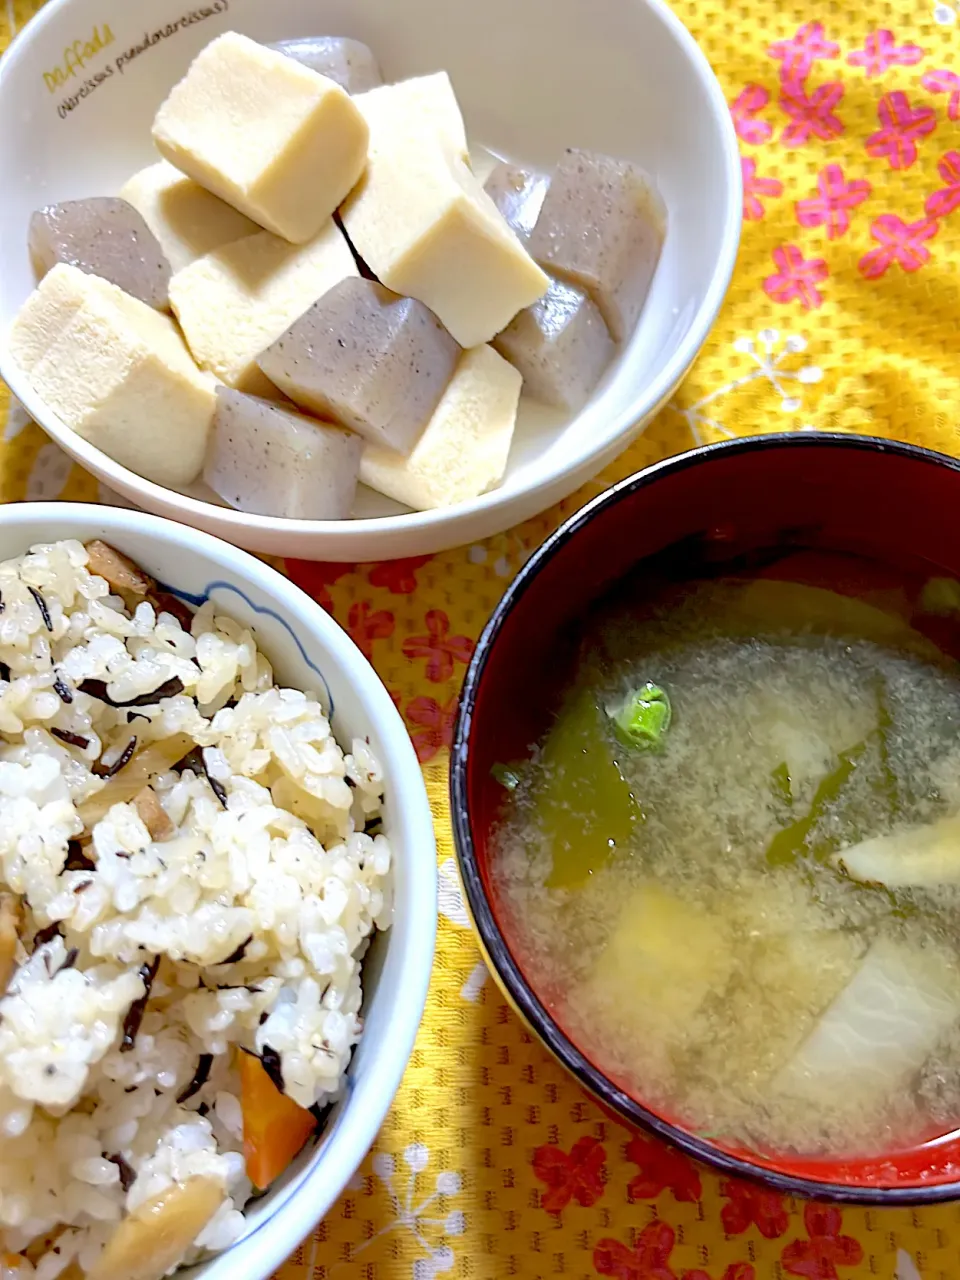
(81, 83)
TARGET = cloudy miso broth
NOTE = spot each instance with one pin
(731, 866)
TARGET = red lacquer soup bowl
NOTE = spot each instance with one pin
(766, 503)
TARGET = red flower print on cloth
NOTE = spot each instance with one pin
(819, 1257)
(439, 647)
(881, 51)
(945, 82)
(574, 1175)
(811, 115)
(796, 278)
(735, 1271)
(749, 1206)
(798, 54)
(661, 1167)
(398, 576)
(365, 627)
(900, 242)
(745, 109)
(944, 201)
(315, 577)
(831, 207)
(903, 125)
(434, 725)
(649, 1259)
(754, 187)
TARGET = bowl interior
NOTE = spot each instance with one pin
(621, 77)
(308, 651)
(897, 507)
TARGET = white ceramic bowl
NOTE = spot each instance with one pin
(309, 651)
(533, 77)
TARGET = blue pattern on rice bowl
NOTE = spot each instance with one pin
(254, 904)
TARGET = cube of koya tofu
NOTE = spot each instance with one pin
(350, 62)
(271, 461)
(186, 219)
(560, 345)
(236, 301)
(276, 140)
(601, 228)
(427, 229)
(107, 237)
(117, 372)
(464, 450)
(427, 104)
(368, 358)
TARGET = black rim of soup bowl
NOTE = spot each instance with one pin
(493, 944)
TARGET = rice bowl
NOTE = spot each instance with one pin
(166, 925)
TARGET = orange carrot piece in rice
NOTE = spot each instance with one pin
(275, 1128)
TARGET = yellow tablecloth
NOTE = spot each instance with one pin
(843, 314)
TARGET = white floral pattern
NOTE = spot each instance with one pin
(906, 1267)
(453, 908)
(401, 1179)
(947, 13)
(450, 895)
(49, 473)
(768, 353)
(17, 419)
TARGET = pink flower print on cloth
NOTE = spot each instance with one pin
(830, 208)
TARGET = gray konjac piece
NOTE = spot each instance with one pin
(104, 236)
(601, 228)
(560, 345)
(519, 195)
(368, 358)
(271, 461)
(350, 62)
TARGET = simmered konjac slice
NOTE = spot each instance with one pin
(581, 775)
(272, 462)
(519, 195)
(236, 301)
(560, 345)
(350, 63)
(104, 236)
(368, 358)
(601, 228)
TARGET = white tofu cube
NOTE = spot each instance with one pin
(427, 229)
(236, 301)
(425, 103)
(186, 219)
(117, 372)
(464, 450)
(278, 141)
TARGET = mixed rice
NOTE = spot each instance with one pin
(190, 871)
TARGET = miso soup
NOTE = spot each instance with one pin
(731, 865)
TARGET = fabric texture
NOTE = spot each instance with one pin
(842, 315)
